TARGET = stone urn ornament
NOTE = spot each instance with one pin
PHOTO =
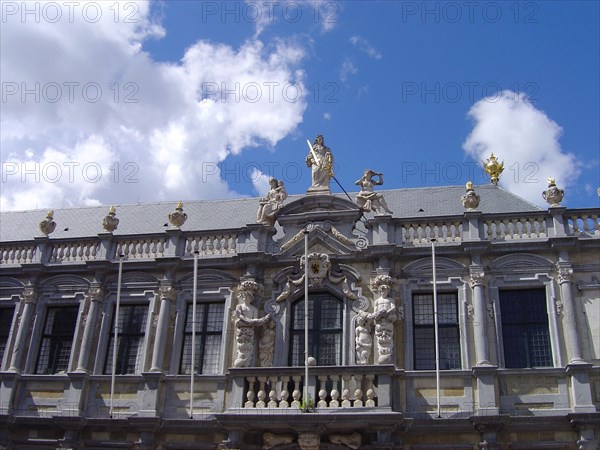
(553, 195)
(178, 217)
(470, 200)
(48, 225)
(110, 222)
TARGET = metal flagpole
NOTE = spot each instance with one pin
(306, 318)
(436, 323)
(193, 361)
(116, 337)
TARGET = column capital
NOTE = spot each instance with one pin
(30, 295)
(95, 294)
(563, 273)
(476, 278)
(167, 292)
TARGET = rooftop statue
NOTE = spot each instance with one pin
(367, 199)
(320, 160)
(273, 202)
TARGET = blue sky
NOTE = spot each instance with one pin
(114, 103)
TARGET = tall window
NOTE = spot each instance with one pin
(132, 329)
(57, 340)
(324, 330)
(6, 315)
(525, 328)
(424, 331)
(209, 328)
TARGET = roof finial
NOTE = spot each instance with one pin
(493, 168)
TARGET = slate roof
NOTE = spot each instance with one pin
(205, 215)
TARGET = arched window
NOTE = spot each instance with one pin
(324, 330)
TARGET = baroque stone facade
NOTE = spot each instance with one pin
(518, 310)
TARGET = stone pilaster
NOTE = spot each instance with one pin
(95, 295)
(167, 294)
(563, 278)
(21, 348)
(476, 282)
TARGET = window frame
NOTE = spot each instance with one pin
(201, 335)
(56, 338)
(211, 291)
(527, 281)
(441, 326)
(316, 329)
(10, 323)
(527, 325)
(143, 334)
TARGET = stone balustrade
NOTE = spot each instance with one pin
(516, 227)
(17, 253)
(581, 223)
(211, 245)
(444, 231)
(74, 251)
(328, 387)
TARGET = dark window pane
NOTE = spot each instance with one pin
(132, 331)
(209, 328)
(57, 340)
(525, 328)
(6, 316)
(424, 331)
(325, 330)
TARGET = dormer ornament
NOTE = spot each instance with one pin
(553, 195)
(470, 200)
(48, 225)
(493, 168)
(178, 217)
(110, 222)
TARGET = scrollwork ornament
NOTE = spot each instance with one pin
(361, 243)
(559, 306)
(490, 310)
(360, 304)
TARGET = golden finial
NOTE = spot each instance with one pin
(551, 181)
(493, 168)
(112, 210)
(469, 186)
(179, 205)
(50, 214)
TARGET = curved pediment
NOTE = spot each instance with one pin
(65, 282)
(208, 277)
(442, 265)
(318, 203)
(520, 262)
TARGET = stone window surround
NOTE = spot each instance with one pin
(526, 281)
(421, 285)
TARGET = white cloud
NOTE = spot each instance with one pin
(364, 46)
(348, 68)
(157, 130)
(526, 139)
(260, 181)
